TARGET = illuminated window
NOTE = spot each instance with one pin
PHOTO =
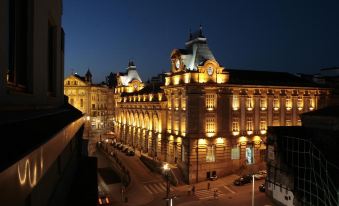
(249, 126)
(235, 102)
(288, 123)
(299, 122)
(300, 103)
(263, 103)
(276, 104)
(183, 103)
(235, 126)
(210, 101)
(263, 125)
(249, 103)
(210, 124)
(288, 103)
(249, 154)
(311, 103)
(210, 153)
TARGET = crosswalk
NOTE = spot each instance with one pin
(156, 188)
(206, 194)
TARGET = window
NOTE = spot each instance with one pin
(249, 154)
(71, 101)
(235, 126)
(68, 82)
(235, 153)
(75, 82)
(288, 103)
(263, 103)
(183, 103)
(81, 103)
(210, 153)
(93, 106)
(249, 103)
(18, 44)
(249, 125)
(51, 73)
(210, 101)
(262, 125)
(210, 125)
(300, 103)
(235, 102)
(276, 104)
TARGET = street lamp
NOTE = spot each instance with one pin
(166, 169)
(88, 118)
(252, 189)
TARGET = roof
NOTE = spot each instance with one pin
(27, 130)
(252, 77)
(130, 75)
(148, 89)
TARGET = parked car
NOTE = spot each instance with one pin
(120, 146)
(243, 180)
(262, 188)
(104, 200)
(260, 175)
(213, 177)
(117, 145)
(125, 148)
(130, 152)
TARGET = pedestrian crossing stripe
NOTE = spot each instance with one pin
(156, 188)
(205, 194)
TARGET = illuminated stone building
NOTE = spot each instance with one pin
(95, 100)
(209, 120)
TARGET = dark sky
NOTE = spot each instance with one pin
(293, 36)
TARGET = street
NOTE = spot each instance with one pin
(148, 188)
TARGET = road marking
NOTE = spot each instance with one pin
(205, 194)
(229, 189)
(148, 190)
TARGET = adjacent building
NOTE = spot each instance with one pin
(207, 119)
(93, 100)
(40, 132)
(302, 161)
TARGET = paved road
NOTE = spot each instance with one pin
(148, 188)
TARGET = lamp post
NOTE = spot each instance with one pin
(88, 118)
(252, 189)
(168, 199)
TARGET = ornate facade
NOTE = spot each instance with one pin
(94, 100)
(209, 120)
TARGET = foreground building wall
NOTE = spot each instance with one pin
(209, 120)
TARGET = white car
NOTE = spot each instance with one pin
(260, 175)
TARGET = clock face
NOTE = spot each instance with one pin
(210, 71)
(177, 63)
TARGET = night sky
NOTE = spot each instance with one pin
(293, 36)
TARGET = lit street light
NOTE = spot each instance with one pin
(88, 118)
(252, 189)
(166, 169)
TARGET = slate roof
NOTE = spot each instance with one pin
(267, 78)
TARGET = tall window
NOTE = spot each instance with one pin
(71, 101)
(262, 125)
(263, 103)
(210, 125)
(210, 101)
(210, 153)
(81, 103)
(235, 126)
(235, 102)
(18, 44)
(249, 155)
(249, 125)
(249, 103)
(276, 104)
(300, 103)
(51, 59)
(183, 103)
(288, 103)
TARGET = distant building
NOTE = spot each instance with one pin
(93, 100)
(209, 120)
(41, 158)
(302, 161)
